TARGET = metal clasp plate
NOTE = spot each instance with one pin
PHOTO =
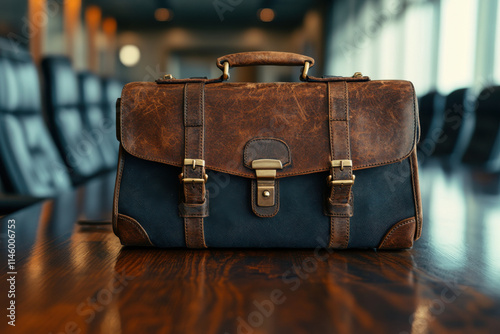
(265, 169)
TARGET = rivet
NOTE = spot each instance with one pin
(266, 193)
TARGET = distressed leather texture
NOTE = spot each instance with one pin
(383, 123)
(264, 58)
(305, 125)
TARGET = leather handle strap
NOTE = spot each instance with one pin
(339, 204)
(264, 58)
(194, 205)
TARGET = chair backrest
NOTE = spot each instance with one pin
(483, 149)
(79, 150)
(428, 105)
(112, 90)
(95, 118)
(453, 121)
(30, 162)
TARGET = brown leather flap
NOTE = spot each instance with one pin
(383, 123)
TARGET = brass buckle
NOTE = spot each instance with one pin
(194, 162)
(182, 179)
(340, 182)
(340, 164)
(265, 169)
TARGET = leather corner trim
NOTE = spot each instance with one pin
(130, 232)
(400, 236)
(266, 148)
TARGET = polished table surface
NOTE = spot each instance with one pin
(73, 276)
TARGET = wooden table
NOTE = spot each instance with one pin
(76, 278)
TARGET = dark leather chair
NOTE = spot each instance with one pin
(30, 163)
(454, 117)
(100, 126)
(429, 105)
(483, 150)
(431, 112)
(112, 90)
(80, 151)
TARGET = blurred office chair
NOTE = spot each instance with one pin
(431, 112)
(483, 150)
(95, 119)
(429, 105)
(75, 142)
(112, 90)
(458, 122)
(30, 164)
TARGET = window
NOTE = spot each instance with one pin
(419, 52)
(457, 45)
(497, 46)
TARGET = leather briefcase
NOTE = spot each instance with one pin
(327, 162)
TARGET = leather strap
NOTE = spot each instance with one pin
(340, 200)
(195, 200)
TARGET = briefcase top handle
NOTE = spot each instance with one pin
(264, 58)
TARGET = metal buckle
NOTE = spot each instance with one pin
(340, 164)
(182, 179)
(340, 182)
(194, 162)
(265, 169)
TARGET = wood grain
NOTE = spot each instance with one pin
(76, 278)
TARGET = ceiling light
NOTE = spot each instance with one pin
(130, 55)
(266, 14)
(163, 14)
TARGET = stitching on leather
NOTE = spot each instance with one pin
(186, 233)
(347, 234)
(332, 231)
(202, 232)
(195, 219)
(394, 228)
(340, 219)
(276, 205)
(185, 105)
